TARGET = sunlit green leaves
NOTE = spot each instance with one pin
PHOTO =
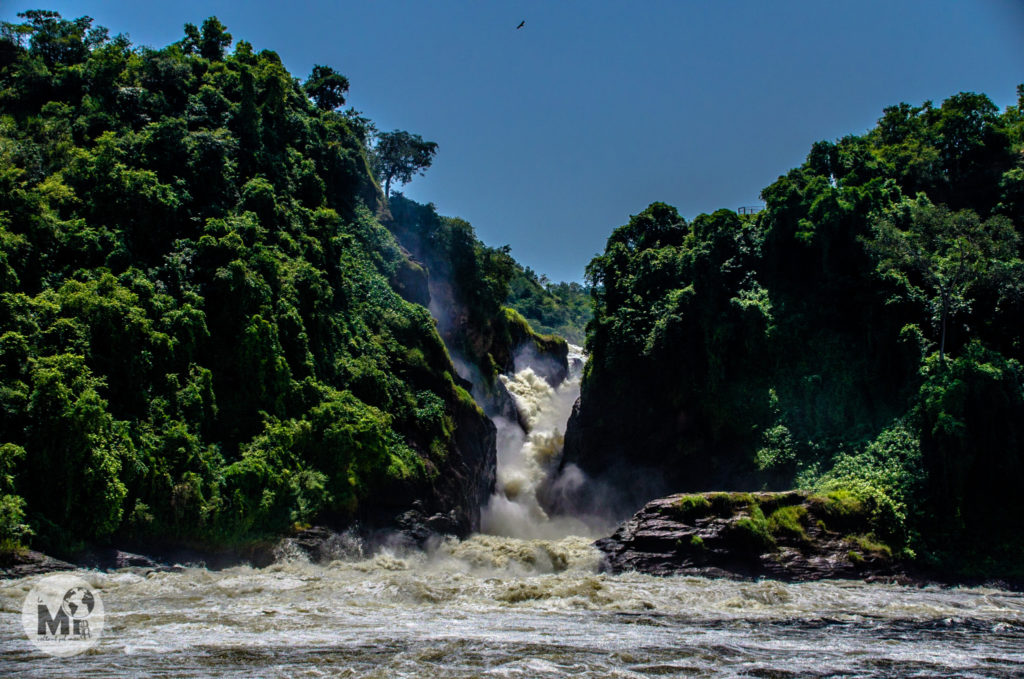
(200, 338)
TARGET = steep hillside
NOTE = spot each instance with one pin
(561, 309)
(206, 334)
(862, 332)
(466, 284)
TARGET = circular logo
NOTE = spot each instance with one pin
(63, 615)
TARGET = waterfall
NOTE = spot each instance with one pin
(528, 460)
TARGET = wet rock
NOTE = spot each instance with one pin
(114, 559)
(25, 563)
(416, 529)
(547, 355)
(784, 536)
(317, 545)
(315, 542)
(467, 478)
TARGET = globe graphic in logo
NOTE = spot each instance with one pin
(62, 615)
(78, 603)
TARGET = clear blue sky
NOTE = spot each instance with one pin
(551, 136)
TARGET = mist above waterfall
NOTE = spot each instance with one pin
(528, 461)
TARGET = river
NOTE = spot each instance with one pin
(528, 600)
(504, 607)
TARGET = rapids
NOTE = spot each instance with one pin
(504, 607)
(522, 600)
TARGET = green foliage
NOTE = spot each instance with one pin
(840, 505)
(326, 87)
(692, 506)
(778, 448)
(727, 504)
(210, 43)
(860, 337)
(947, 254)
(470, 283)
(753, 532)
(13, 529)
(869, 544)
(884, 481)
(788, 521)
(398, 155)
(553, 308)
(680, 338)
(76, 449)
(972, 444)
(201, 337)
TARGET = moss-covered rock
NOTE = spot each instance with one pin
(781, 535)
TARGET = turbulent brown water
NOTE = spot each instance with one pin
(503, 607)
(518, 605)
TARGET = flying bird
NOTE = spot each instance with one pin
(521, 24)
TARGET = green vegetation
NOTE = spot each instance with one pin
(692, 506)
(861, 337)
(213, 322)
(753, 532)
(469, 286)
(788, 521)
(763, 521)
(206, 334)
(727, 504)
(554, 308)
(840, 506)
(870, 545)
(398, 155)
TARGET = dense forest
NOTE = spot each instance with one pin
(862, 335)
(218, 321)
(208, 330)
(561, 309)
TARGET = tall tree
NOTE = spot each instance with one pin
(326, 87)
(399, 155)
(56, 40)
(940, 256)
(211, 42)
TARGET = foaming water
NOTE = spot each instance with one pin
(527, 460)
(495, 606)
(522, 601)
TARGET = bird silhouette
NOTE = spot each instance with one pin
(521, 24)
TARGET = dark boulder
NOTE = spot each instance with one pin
(106, 559)
(24, 563)
(787, 536)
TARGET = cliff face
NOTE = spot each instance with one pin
(789, 536)
(466, 285)
(463, 283)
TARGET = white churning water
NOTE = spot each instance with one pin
(527, 460)
(495, 606)
(526, 600)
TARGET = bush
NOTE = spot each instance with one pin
(753, 533)
(788, 521)
(691, 507)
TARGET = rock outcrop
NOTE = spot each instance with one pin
(788, 536)
(110, 558)
(467, 478)
(23, 563)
